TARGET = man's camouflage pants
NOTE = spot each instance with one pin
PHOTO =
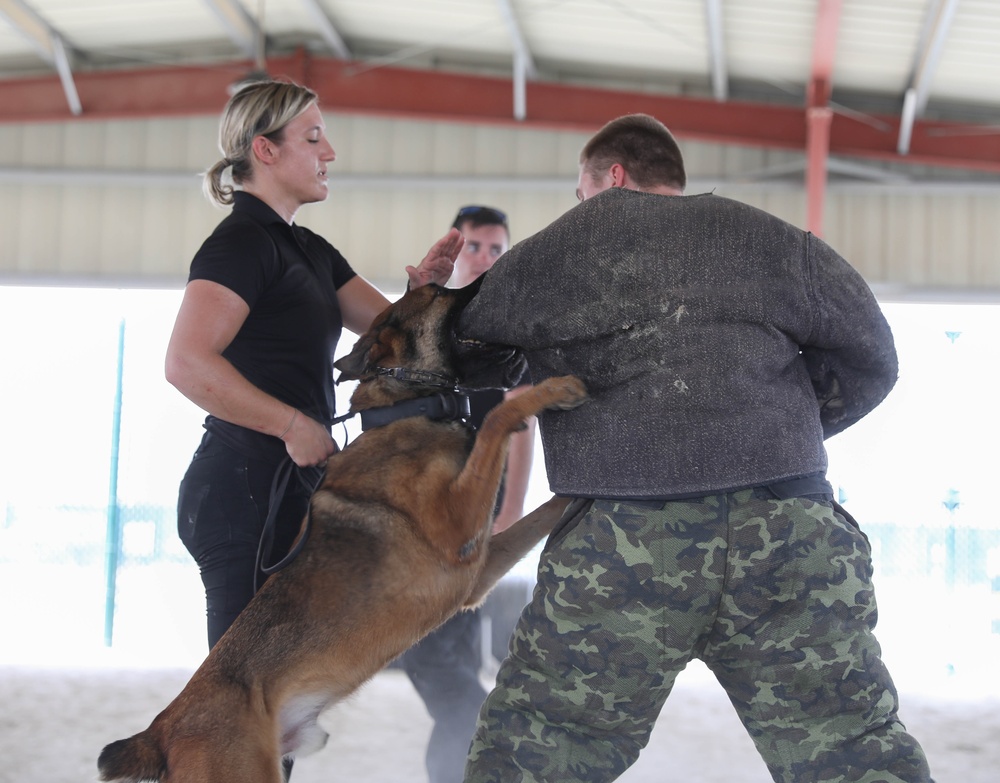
(774, 595)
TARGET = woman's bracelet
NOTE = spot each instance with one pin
(284, 432)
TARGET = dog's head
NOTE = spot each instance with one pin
(415, 335)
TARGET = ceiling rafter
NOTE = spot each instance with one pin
(445, 96)
(937, 24)
(49, 43)
(819, 114)
(524, 62)
(327, 29)
(716, 49)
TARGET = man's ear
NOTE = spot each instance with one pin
(619, 177)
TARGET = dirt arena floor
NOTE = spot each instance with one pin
(55, 720)
(63, 695)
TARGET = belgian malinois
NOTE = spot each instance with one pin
(398, 541)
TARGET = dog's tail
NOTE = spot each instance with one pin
(132, 760)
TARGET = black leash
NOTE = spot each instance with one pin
(310, 478)
(452, 404)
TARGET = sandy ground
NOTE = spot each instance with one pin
(63, 695)
(55, 720)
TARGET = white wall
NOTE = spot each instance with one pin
(120, 202)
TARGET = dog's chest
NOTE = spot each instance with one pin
(405, 449)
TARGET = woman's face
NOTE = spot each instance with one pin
(302, 156)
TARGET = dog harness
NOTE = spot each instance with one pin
(452, 405)
(449, 405)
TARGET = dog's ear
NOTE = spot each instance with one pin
(366, 353)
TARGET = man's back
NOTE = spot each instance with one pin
(685, 317)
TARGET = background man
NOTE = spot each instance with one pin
(444, 666)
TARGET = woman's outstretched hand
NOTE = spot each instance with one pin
(439, 262)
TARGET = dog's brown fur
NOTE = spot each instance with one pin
(399, 541)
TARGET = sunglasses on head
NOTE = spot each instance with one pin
(482, 215)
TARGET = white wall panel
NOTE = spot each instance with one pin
(34, 145)
(856, 228)
(143, 226)
(983, 219)
(78, 231)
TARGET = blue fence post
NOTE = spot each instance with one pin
(951, 502)
(113, 544)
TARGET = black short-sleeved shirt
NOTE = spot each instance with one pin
(289, 277)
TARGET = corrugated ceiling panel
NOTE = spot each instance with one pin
(15, 44)
(876, 42)
(969, 68)
(412, 29)
(633, 44)
(774, 38)
(648, 35)
(101, 26)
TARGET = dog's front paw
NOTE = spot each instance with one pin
(566, 392)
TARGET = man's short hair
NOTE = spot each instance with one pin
(642, 145)
(475, 216)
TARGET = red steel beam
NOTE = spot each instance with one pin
(438, 95)
(819, 116)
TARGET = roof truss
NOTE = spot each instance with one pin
(524, 62)
(937, 23)
(716, 49)
(50, 45)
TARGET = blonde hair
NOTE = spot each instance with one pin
(256, 109)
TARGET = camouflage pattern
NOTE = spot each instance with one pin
(775, 596)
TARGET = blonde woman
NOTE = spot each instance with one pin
(254, 339)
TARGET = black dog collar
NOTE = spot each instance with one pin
(444, 406)
(422, 377)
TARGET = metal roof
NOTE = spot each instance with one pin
(902, 80)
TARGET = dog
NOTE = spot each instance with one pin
(398, 541)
